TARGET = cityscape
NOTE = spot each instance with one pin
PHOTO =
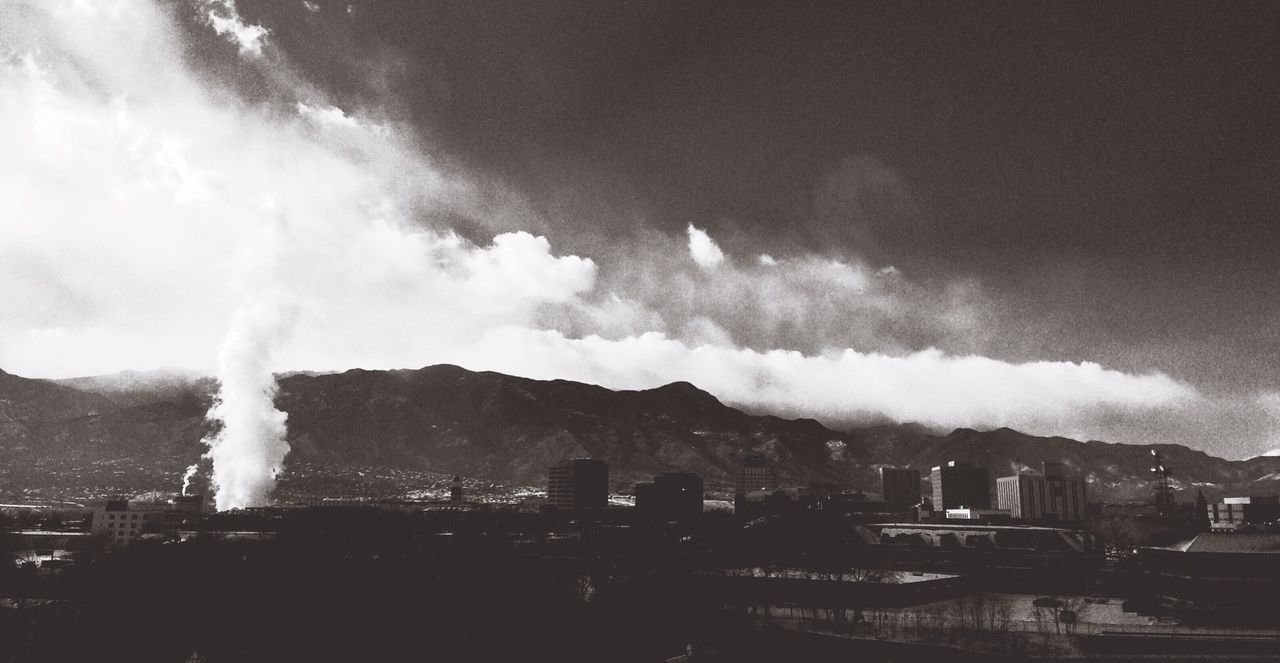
(644, 331)
(946, 561)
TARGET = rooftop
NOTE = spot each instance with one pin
(1231, 543)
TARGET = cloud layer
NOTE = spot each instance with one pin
(143, 193)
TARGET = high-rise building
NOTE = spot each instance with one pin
(755, 476)
(754, 484)
(455, 489)
(1046, 496)
(900, 487)
(958, 484)
(581, 483)
(671, 496)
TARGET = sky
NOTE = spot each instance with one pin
(1059, 217)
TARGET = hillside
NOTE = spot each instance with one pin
(388, 432)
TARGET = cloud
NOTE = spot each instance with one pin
(703, 249)
(139, 193)
(929, 387)
(1269, 402)
(223, 17)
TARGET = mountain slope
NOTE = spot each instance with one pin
(408, 424)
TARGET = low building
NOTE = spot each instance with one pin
(980, 536)
(1234, 513)
(671, 496)
(977, 514)
(123, 522)
(828, 499)
(1223, 576)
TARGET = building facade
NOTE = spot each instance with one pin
(1234, 513)
(122, 523)
(581, 483)
(958, 484)
(671, 496)
(967, 513)
(900, 487)
(755, 476)
(755, 482)
(1049, 496)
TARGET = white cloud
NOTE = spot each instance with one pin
(138, 202)
(703, 249)
(928, 387)
(223, 17)
(1269, 402)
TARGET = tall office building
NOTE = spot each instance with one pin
(755, 482)
(900, 487)
(1046, 496)
(959, 484)
(755, 476)
(581, 483)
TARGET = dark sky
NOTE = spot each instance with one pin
(1111, 172)
(1108, 174)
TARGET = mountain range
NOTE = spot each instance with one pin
(385, 433)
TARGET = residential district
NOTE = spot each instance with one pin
(944, 562)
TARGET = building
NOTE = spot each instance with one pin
(900, 487)
(581, 483)
(671, 496)
(966, 513)
(1231, 578)
(1049, 496)
(958, 484)
(755, 476)
(455, 489)
(1233, 513)
(755, 481)
(122, 523)
(831, 500)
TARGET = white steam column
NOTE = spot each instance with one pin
(249, 447)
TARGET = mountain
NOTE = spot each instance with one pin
(129, 388)
(388, 432)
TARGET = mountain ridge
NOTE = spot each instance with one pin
(446, 419)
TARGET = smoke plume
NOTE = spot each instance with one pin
(248, 449)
